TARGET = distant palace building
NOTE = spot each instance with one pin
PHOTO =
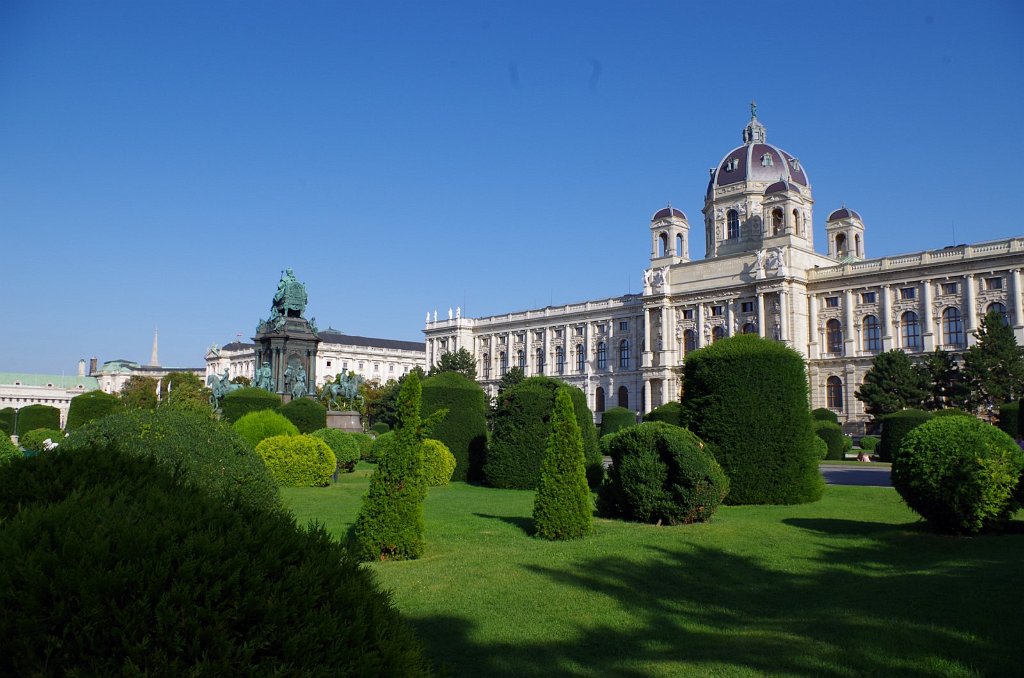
(761, 274)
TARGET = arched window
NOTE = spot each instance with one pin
(602, 356)
(872, 334)
(840, 244)
(679, 246)
(599, 400)
(486, 360)
(503, 361)
(749, 328)
(777, 221)
(859, 249)
(623, 396)
(624, 353)
(952, 327)
(521, 361)
(834, 393)
(689, 341)
(834, 337)
(911, 331)
(733, 223)
(662, 244)
(797, 226)
(999, 308)
(581, 359)
(717, 333)
(540, 360)
(560, 359)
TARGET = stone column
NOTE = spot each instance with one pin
(728, 317)
(849, 333)
(970, 312)
(812, 323)
(645, 356)
(1015, 301)
(700, 325)
(547, 351)
(928, 342)
(526, 351)
(783, 316)
(886, 310)
(647, 396)
(760, 314)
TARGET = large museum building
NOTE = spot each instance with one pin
(761, 274)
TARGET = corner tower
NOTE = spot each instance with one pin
(670, 233)
(845, 232)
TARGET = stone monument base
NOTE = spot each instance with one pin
(346, 421)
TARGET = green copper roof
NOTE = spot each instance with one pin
(58, 380)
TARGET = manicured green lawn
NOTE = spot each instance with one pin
(851, 585)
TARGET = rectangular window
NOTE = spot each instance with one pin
(832, 302)
(746, 307)
(993, 283)
(687, 314)
(344, 365)
(558, 333)
(949, 288)
(908, 293)
(328, 363)
(623, 326)
(579, 331)
(867, 298)
(716, 310)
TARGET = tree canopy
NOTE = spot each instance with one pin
(892, 384)
(994, 366)
(461, 361)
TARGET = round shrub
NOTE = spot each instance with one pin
(307, 414)
(380, 428)
(37, 416)
(238, 403)
(833, 436)
(894, 427)
(825, 414)
(298, 461)
(122, 570)
(344, 446)
(89, 406)
(662, 473)
(255, 427)
(207, 453)
(364, 442)
(617, 418)
(464, 428)
(670, 413)
(8, 450)
(1008, 419)
(960, 474)
(868, 443)
(747, 396)
(35, 439)
(382, 444)
(951, 412)
(821, 447)
(438, 463)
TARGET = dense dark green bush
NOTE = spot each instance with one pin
(960, 474)
(35, 439)
(464, 429)
(380, 428)
(1009, 414)
(298, 461)
(825, 414)
(894, 427)
(521, 433)
(7, 420)
(206, 452)
(382, 444)
(37, 416)
(868, 443)
(662, 473)
(617, 418)
(562, 507)
(833, 436)
(747, 396)
(438, 463)
(122, 570)
(344, 446)
(365, 443)
(951, 412)
(89, 406)
(670, 413)
(8, 450)
(820, 448)
(306, 413)
(245, 400)
(255, 427)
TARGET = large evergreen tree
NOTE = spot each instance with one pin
(994, 366)
(892, 384)
(948, 386)
(561, 507)
(461, 361)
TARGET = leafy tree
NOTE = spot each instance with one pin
(243, 380)
(948, 386)
(184, 390)
(892, 384)
(511, 378)
(561, 507)
(139, 393)
(994, 366)
(381, 402)
(461, 361)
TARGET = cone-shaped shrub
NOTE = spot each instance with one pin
(390, 522)
(245, 400)
(307, 414)
(255, 427)
(561, 507)
(616, 419)
(895, 427)
(344, 446)
(438, 463)
(464, 430)
(89, 406)
(747, 396)
(298, 461)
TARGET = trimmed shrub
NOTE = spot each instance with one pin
(670, 413)
(298, 461)
(344, 446)
(207, 453)
(960, 474)
(825, 414)
(382, 445)
(89, 406)
(464, 429)
(365, 443)
(255, 427)
(561, 507)
(521, 432)
(238, 403)
(200, 590)
(438, 463)
(307, 414)
(951, 412)
(894, 427)
(37, 416)
(34, 439)
(833, 436)
(1009, 414)
(380, 428)
(747, 396)
(868, 443)
(616, 419)
(8, 450)
(7, 420)
(662, 474)
(821, 447)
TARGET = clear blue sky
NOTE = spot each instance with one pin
(162, 162)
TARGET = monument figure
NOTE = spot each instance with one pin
(220, 387)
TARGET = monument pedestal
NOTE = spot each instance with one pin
(346, 421)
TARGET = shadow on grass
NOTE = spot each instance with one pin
(899, 602)
(524, 524)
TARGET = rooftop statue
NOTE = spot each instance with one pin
(290, 298)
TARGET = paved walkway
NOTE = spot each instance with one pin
(865, 474)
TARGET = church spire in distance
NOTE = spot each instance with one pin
(153, 361)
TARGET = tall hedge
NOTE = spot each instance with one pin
(747, 396)
(245, 400)
(1009, 414)
(617, 418)
(464, 429)
(833, 436)
(89, 406)
(307, 414)
(37, 416)
(521, 429)
(669, 413)
(895, 426)
(7, 420)
(562, 508)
